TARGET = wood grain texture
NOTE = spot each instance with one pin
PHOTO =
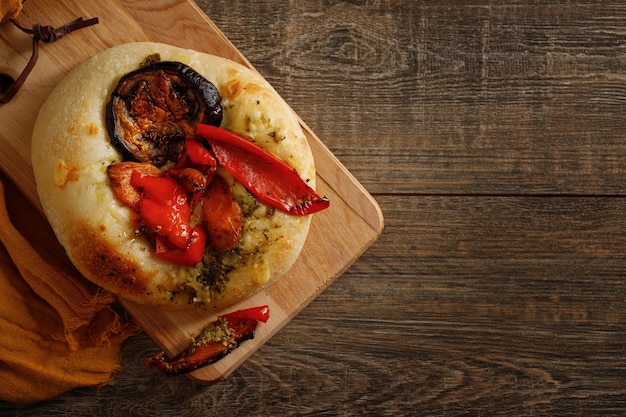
(456, 97)
(492, 135)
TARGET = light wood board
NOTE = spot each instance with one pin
(338, 235)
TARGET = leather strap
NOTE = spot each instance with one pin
(46, 34)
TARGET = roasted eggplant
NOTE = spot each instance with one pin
(155, 108)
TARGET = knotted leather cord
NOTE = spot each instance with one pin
(46, 34)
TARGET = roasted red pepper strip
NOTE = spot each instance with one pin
(189, 256)
(268, 178)
(164, 208)
(190, 179)
(222, 216)
(120, 175)
(223, 335)
(196, 154)
(261, 313)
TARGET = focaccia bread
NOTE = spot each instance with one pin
(72, 153)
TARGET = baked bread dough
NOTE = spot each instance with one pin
(71, 151)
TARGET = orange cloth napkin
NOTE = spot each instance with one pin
(57, 330)
(9, 9)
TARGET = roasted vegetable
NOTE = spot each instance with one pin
(164, 208)
(268, 178)
(120, 175)
(222, 215)
(156, 107)
(214, 342)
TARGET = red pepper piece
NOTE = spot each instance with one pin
(189, 256)
(164, 208)
(196, 154)
(119, 176)
(261, 313)
(240, 326)
(195, 205)
(222, 216)
(268, 178)
(190, 179)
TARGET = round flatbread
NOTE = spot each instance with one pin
(71, 152)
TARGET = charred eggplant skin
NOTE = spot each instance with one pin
(154, 108)
(207, 89)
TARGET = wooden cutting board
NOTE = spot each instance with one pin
(338, 235)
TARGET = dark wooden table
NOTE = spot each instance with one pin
(493, 137)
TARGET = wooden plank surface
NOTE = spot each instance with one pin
(353, 221)
(492, 134)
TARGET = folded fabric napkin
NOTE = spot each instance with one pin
(57, 330)
(9, 9)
